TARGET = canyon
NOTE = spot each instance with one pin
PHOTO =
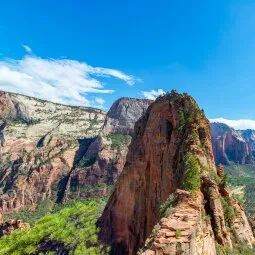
(61, 153)
(57, 152)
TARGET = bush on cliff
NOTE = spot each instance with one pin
(192, 180)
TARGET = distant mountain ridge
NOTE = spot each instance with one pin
(232, 146)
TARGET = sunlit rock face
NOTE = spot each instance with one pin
(172, 133)
(58, 152)
(123, 115)
(40, 144)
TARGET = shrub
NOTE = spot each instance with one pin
(229, 210)
(178, 233)
(74, 226)
(119, 140)
(192, 180)
(167, 208)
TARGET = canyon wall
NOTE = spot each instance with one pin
(231, 146)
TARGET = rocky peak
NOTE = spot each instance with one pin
(11, 108)
(123, 114)
(171, 149)
(248, 135)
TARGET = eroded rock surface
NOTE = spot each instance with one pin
(171, 149)
(41, 143)
(106, 155)
(52, 151)
(11, 225)
(123, 115)
(231, 146)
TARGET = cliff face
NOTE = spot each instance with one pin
(106, 155)
(233, 146)
(40, 146)
(52, 151)
(123, 115)
(171, 149)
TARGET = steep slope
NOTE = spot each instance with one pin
(40, 144)
(171, 149)
(52, 151)
(231, 146)
(123, 115)
(106, 155)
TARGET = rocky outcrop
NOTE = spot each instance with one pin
(231, 146)
(171, 149)
(123, 115)
(11, 108)
(11, 225)
(185, 231)
(30, 175)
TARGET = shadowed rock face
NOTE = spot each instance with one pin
(233, 146)
(123, 115)
(172, 129)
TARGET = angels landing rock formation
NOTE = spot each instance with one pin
(169, 198)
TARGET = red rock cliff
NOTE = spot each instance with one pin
(172, 130)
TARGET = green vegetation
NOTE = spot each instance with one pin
(228, 210)
(31, 216)
(243, 176)
(14, 121)
(85, 161)
(119, 140)
(238, 250)
(167, 208)
(192, 180)
(73, 225)
(240, 181)
(178, 233)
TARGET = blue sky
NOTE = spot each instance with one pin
(205, 48)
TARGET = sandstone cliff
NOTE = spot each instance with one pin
(52, 151)
(106, 155)
(41, 142)
(231, 146)
(171, 149)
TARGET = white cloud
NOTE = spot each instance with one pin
(27, 49)
(59, 80)
(153, 94)
(241, 124)
(99, 100)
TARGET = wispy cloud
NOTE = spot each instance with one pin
(59, 80)
(99, 100)
(27, 49)
(236, 124)
(153, 94)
